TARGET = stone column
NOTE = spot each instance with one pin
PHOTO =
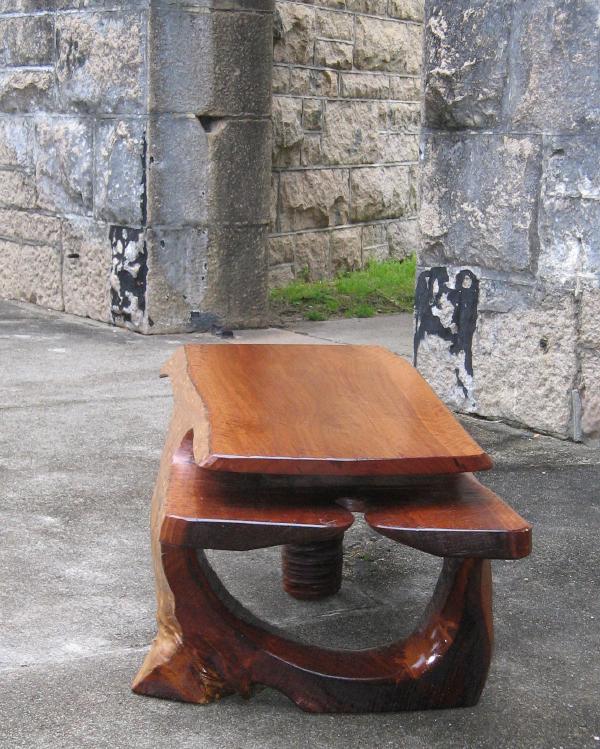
(508, 292)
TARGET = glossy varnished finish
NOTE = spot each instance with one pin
(341, 410)
(299, 488)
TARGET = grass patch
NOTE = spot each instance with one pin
(380, 288)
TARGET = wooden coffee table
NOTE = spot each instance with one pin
(281, 445)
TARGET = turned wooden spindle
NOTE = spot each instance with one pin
(312, 570)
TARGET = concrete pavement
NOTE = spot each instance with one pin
(83, 416)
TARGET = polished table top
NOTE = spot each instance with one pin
(323, 410)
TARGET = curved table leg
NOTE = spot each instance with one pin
(221, 650)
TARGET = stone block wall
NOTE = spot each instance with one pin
(508, 296)
(135, 144)
(346, 111)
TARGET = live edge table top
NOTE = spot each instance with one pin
(318, 410)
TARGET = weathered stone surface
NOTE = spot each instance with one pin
(64, 159)
(17, 189)
(365, 85)
(281, 275)
(332, 25)
(31, 228)
(406, 89)
(479, 200)
(387, 45)
(466, 61)
(311, 256)
(590, 377)
(555, 80)
(27, 40)
(287, 131)
(100, 65)
(129, 277)
(26, 90)
(403, 238)
(120, 181)
(31, 274)
(570, 208)
(281, 79)
(294, 33)
(16, 142)
(239, 173)
(281, 249)
(409, 10)
(332, 54)
(314, 82)
(375, 7)
(312, 114)
(351, 132)
(177, 171)
(346, 250)
(374, 243)
(405, 117)
(524, 364)
(400, 147)
(274, 202)
(589, 321)
(382, 192)
(314, 199)
(311, 153)
(232, 79)
(87, 257)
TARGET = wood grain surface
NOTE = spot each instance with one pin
(319, 410)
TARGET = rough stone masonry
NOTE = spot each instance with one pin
(135, 145)
(346, 115)
(508, 295)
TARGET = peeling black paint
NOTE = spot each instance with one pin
(432, 287)
(129, 272)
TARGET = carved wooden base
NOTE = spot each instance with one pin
(222, 650)
(314, 570)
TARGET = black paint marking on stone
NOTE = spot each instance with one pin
(203, 321)
(144, 193)
(432, 289)
(129, 273)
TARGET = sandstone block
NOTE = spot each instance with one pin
(479, 199)
(17, 189)
(332, 54)
(16, 142)
(312, 150)
(313, 82)
(311, 258)
(590, 317)
(466, 53)
(382, 192)
(312, 114)
(274, 202)
(590, 376)
(215, 63)
(406, 89)
(281, 275)
(374, 243)
(31, 274)
(281, 79)
(408, 10)
(26, 90)
(403, 238)
(352, 132)
(346, 250)
(314, 199)
(27, 40)
(294, 33)
(374, 7)
(405, 117)
(400, 147)
(31, 228)
(365, 86)
(287, 131)
(100, 65)
(281, 249)
(64, 160)
(391, 46)
(331, 25)
(86, 268)
(120, 179)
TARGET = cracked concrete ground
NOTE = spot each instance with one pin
(83, 418)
